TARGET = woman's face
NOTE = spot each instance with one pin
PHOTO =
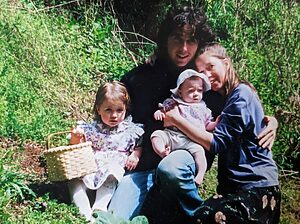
(215, 69)
(182, 46)
(112, 112)
(191, 90)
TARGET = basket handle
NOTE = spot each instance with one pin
(49, 137)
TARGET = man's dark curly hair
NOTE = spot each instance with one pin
(176, 19)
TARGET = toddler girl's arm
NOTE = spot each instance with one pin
(133, 159)
(77, 136)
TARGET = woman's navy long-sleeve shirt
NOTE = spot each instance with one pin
(242, 164)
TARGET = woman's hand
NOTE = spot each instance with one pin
(267, 136)
(171, 116)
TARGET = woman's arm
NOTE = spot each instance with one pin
(173, 118)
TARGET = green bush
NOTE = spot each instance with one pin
(13, 185)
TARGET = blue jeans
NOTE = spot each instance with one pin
(130, 194)
(175, 178)
(174, 181)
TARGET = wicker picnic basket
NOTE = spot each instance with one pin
(69, 162)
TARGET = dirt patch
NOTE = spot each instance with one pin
(32, 161)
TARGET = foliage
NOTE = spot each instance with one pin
(108, 218)
(290, 188)
(12, 183)
(44, 210)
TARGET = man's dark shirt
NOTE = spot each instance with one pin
(147, 86)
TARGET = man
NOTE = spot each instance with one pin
(179, 36)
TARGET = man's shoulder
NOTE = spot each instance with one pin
(142, 69)
(142, 73)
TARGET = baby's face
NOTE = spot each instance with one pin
(191, 90)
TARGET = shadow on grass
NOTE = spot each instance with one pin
(58, 191)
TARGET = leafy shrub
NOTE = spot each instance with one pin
(12, 183)
(13, 187)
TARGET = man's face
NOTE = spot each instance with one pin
(182, 46)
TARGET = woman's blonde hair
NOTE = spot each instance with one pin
(113, 90)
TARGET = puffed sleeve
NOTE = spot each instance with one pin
(169, 104)
(134, 131)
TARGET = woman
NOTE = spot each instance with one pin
(248, 190)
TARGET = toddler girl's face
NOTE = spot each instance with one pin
(112, 112)
(191, 90)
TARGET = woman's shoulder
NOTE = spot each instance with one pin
(243, 91)
(129, 126)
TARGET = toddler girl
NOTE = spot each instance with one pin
(115, 141)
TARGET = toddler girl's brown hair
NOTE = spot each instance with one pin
(113, 90)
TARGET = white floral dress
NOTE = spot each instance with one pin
(112, 147)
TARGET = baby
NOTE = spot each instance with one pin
(188, 97)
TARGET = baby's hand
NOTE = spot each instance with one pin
(159, 115)
(77, 136)
(132, 162)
